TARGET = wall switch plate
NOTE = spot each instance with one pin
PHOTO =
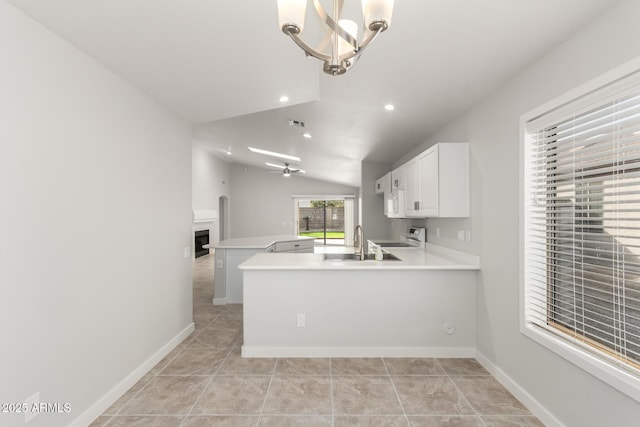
(301, 320)
(30, 403)
(461, 235)
(437, 231)
(187, 252)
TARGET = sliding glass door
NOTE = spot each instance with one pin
(324, 219)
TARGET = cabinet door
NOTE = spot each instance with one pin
(411, 193)
(397, 179)
(383, 184)
(428, 183)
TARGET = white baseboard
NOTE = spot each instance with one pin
(259, 351)
(98, 408)
(547, 418)
(219, 301)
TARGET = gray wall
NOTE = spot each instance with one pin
(572, 395)
(374, 223)
(95, 216)
(261, 202)
(209, 181)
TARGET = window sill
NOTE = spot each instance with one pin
(624, 382)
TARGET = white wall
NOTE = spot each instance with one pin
(210, 181)
(95, 213)
(261, 202)
(571, 395)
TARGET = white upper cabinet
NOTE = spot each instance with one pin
(397, 179)
(428, 183)
(437, 182)
(383, 184)
(411, 190)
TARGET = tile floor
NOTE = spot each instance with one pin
(205, 382)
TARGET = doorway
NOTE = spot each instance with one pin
(324, 218)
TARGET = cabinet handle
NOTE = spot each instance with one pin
(416, 206)
(295, 246)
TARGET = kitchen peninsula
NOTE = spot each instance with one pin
(310, 305)
(232, 252)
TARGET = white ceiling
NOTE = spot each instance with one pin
(222, 66)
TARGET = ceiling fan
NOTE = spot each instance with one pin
(286, 170)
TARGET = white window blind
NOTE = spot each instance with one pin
(582, 223)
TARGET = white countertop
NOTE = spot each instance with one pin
(259, 242)
(432, 258)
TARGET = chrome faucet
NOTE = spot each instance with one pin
(358, 242)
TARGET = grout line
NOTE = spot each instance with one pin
(404, 412)
(462, 394)
(333, 411)
(204, 389)
(266, 394)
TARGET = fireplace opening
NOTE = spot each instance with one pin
(201, 238)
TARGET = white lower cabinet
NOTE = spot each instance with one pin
(228, 278)
(304, 246)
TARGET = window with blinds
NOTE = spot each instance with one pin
(582, 223)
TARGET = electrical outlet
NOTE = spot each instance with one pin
(437, 231)
(31, 402)
(461, 235)
(467, 236)
(187, 252)
(218, 263)
(301, 320)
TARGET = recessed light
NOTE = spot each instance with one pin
(307, 135)
(274, 154)
(228, 153)
(389, 107)
(284, 98)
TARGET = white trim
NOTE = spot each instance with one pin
(323, 196)
(219, 301)
(599, 368)
(430, 352)
(520, 393)
(596, 83)
(608, 373)
(102, 404)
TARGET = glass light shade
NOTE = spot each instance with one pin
(350, 27)
(292, 12)
(377, 10)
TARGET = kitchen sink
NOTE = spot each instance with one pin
(354, 257)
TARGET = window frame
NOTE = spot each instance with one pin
(574, 352)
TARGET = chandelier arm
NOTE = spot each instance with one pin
(371, 37)
(308, 49)
(334, 25)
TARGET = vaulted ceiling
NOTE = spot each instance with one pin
(223, 65)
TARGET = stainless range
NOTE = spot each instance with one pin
(415, 237)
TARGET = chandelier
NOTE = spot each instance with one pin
(339, 47)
